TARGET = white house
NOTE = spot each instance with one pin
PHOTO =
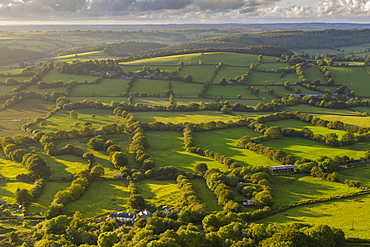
(122, 217)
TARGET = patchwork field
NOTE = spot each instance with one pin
(355, 78)
(55, 75)
(200, 73)
(229, 92)
(229, 72)
(107, 87)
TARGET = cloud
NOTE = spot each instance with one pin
(183, 10)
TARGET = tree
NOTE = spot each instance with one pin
(274, 132)
(201, 168)
(97, 171)
(89, 157)
(96, 143)
(23, 196)
(107, 239)
(188, 78)
(118, 159)
(43, 124)
(136, 201)
(73, 114)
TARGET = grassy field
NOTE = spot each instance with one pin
(8, 189)
(229, 92)
(10, 169)
(361, 174)
(34, 88)
(304, 148)
(200, 73)
(298, 125)
(193, 117)
(159, 193)
(264, 77)
(229, 72)
(314, 73)
(292, 78)
(151, 86)
(5, 89)
(224, 142)
(107, 87)
(354, 78)
(102, 197)
(55, 75)
(62, 121)
(12, 118)
(165, 144)
(169, 60)
(295, 188)
(228, 58)
(47, 197)
(272, 66)
(339, 214)
(206, 196)
(320, 110)
(184, 89)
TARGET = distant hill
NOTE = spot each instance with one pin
(325, 39)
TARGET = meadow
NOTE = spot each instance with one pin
(264, 78)
(229, 58)
(339, 214)
(224, 142)
(107, 87)
(226, 92)
(308, 149)
(165, 144)
(313, 74)
(200, 73)
(272, 66)
(168, 60)
(229, 72)
(206, 196)
(12, 118)
(55, 75)
(353, 78)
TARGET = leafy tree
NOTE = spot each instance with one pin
(201, 168)
(118, 159)
(89, 157)
(23, 196)
(97, 171)
(107, 239)
(136, 201)
(73, 114)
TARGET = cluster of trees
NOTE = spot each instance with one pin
(78, 67)
(24, 196)
(136, 200)
(191, 209)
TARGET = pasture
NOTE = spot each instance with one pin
(338, 213)
(205, 195)
(34, 88)
(62, 120)
(227, 92)
(107, 87)
(160, 192)
(102, 197)
(200, 73)
(168, 60)
(224, 142)
(355, 78)
(229, 72)
(167, 149)
(8, 189)
(192, 117)
(12, 118)
(290, 189)
(298, 125)
(263, 78)
(55, 75)
(228, 58)
(272, 66)
(308, 149)
(313, 74)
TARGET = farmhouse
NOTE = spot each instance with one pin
(145, 214)
(117, 176)
(122, 217)
(285, 168)
(302, 95)
(250, 203)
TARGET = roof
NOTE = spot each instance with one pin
(283, 167)
(122, 215)
(2, 202)
(145, 214)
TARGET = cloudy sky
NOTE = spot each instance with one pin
(185, 11)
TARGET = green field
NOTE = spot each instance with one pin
(224, 142)
(265, 78)
(314, 73)
(151, 86)
(298, 125)
(355, 78)
(165, 144)
(272, 66)
(55, 75)
(200, 73)
(361, 173)
(5, 89)
(228, 58)
(107, 87)
(229, 72)
(296, 188)
(206, 196)
(339, 214)
(8, 189)
(102, 197)
(193, 117)
(51, 188)
(34, 88)
(304, 148)
(227, 92)
(169, 60)
(12, 118)
(183, 89)
(62, 121)
(292, 78)
(159, 193)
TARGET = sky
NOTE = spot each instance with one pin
(184, 11)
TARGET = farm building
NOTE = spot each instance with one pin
(145, 214)
(250, 203)
(302, 95)
(285, 168)
(122, 217)
(117, 176)
(2, 203)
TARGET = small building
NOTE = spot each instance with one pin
(145, 214)
(2, 203)
(284, 168)
(122, 217)
(117, 176)
(250, 203)
(302, 95)
(163, 208)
